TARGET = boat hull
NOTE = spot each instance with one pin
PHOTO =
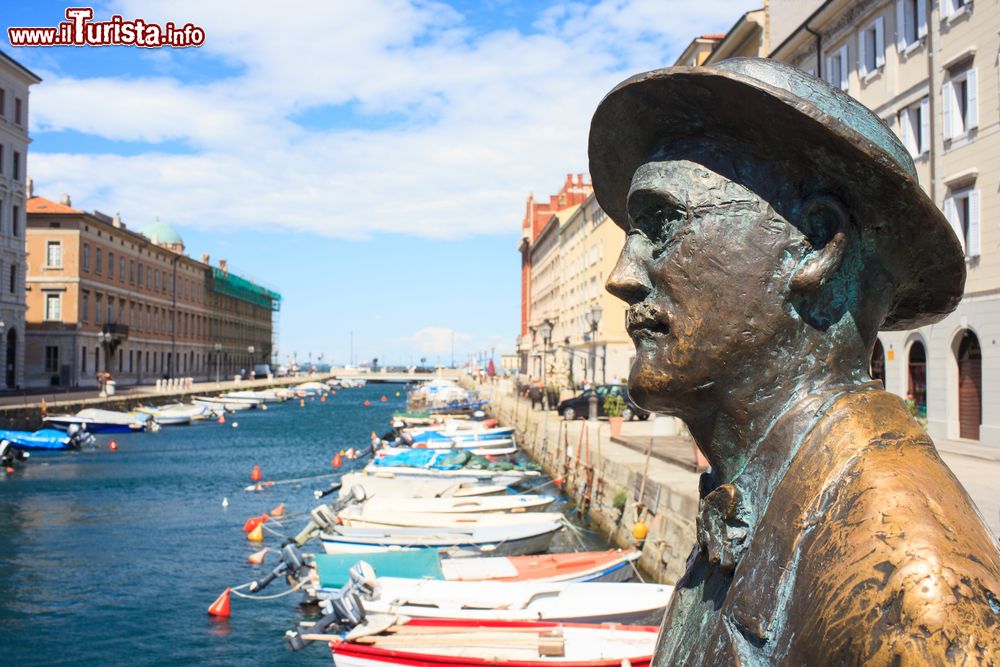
(92, 426)
(453, 546)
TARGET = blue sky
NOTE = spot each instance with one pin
(369, 160)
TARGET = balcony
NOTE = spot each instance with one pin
(117, 332)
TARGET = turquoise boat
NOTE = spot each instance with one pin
(414, 564)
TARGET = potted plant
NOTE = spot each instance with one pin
(614, 407)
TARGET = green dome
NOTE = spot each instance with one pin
(161, 232)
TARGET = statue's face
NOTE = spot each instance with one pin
(705, 271)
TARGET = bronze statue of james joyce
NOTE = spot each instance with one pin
(774, 226)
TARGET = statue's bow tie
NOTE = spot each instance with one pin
(723, 526)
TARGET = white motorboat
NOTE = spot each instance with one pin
(513, 503)
(385, 487)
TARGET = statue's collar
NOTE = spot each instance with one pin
(728, 512)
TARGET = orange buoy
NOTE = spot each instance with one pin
(279, 510)
(302, 402)
(9, 469)
(221, 419)
(257, 534)
(336, 462)
(640, 530)
(113, 446)
(334, 391)
(257, 557)
(221, 605)
(322, 399)
(255, 474)
(367, 402)
(384, 399)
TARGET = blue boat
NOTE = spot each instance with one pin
(47, 439)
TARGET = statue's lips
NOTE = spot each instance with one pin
(643, 319)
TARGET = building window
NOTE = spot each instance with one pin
(951, 8)
(914, 127)
(53, 255)
(961, 209)
(18, 104)
(111, 266)
(121, 269)
(98, 302)
(836, 68)
(961, 106)
(13, 278)
(15, 222)
(131, 272)
(83, 360)
(85, 258)
(871, 47)
(111, 309)
(85, 306)
(156, 280)
(911, 23)
(97, 261)
(16, 165)
(140, 274)
(53, 307)
(51, 359)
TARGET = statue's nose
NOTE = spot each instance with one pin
(630, 279)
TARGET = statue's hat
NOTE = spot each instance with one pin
(807, 123)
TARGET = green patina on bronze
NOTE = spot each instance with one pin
(774, 226)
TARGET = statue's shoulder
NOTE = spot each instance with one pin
(897, 561)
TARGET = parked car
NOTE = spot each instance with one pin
(578, 407)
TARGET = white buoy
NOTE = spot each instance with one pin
(236, 424)
(225, 502)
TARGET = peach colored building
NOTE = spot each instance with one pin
(104, 298)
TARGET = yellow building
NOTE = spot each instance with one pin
(592, 344)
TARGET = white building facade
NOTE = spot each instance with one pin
(929, 69)
(15, 82)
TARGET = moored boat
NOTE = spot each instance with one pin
(96, 420)
(610, 566)
(47, 439)
(516, 601)
(429, 642)
(456, 542)
(473, 504)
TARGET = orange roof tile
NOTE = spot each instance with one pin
(43, 205)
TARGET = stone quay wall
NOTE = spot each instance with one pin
(613, 485)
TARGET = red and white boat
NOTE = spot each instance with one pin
(435, 643)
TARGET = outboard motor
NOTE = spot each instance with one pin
(292, 563)
(325, 517)
(9, 454)
(79, 436)
(343, 612)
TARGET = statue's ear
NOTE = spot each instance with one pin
(823, 219)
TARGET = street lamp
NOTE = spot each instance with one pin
(546, 331)
(593, 318)
(218, 348)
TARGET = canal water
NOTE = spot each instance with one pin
(113, 557)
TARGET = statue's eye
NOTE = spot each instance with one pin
(659, 224)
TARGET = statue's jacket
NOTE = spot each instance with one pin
(867, 552)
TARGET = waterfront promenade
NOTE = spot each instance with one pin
(594, 468)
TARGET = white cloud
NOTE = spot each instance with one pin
(437, 341)
(483, 119)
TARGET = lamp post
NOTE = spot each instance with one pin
(218, 349)
(546, 331)
(104, 338)
(593, 317)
